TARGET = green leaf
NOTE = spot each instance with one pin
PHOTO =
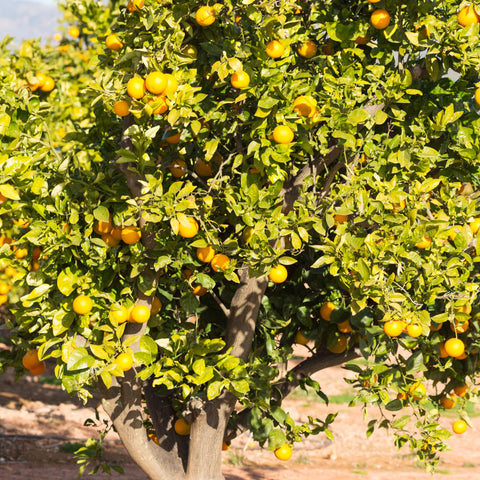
(199, 366)
(4, 123)
(401, 422)
(80, 360)
(214, 389)
(67, 280)
(102, 214)
(276, 438)
(359, 115)
(9, 192)
(148, 345)
(240, 386)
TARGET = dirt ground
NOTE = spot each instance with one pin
(39, 423)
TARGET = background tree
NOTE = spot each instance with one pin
(231, 180)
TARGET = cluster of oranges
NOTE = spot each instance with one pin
(32, 363)
(42, 82)
(112, 235)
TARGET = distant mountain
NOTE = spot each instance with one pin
(23, 19)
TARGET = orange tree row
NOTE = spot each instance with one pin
(231, 180)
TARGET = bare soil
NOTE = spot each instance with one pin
(38, 424)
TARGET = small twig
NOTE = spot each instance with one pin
(222, 306)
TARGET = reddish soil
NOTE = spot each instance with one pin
(37, 422)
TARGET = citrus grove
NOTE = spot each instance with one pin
(188, 190)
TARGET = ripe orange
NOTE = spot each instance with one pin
(304, 105)
(181, 427)
(278, 274)
(49, 84)
(393, 328)
(380, 19)
(131, 235)
(30, 359)
(180, 170)
(203, 168)
(113, 42)
(110, 240)
(136, 87)
(74, 32)
(307, 49)
(467, 308)
(414, 330)
(153, 438)
(173, 139)
(4, 288)
(119, 314)
(205, 254)
(199, 290)
(417, 391)
(283, 134)
(82, 304)
(102, 227)
(220, 262)
(326, 310)
(116, 233)
(139, 314)
(240, 79)
(345, 327)
(205, 16)
(362, 40)
(3, 299)
(339, 218)
(275, 49)
(161, 102)
(37, 251)
(341, 345)
(124, 361)
(301, 339)
(172, 84)
(461, 390)
(467, 16)
(425, 242)
(135, 5)
(121, 108)
(225, 446)
(41, 79)
(10, 271)
(373, 1)
(38, 369)
(459, 327)
(402, 395)
(188, 230)
(156, 306)
(448, 402)
(454, 347)
(284, 452)
(459, 426)
(21, 253)
(477, 101)
(156, 82)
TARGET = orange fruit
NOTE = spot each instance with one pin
(448, 402)
(454, 347)
(82, 304)
(153, 438)
(203, 168)
(161, 102)
(304, 105)
(443, 352)
(307, 49)
(240, 79)
(402, 395)
(119, 314)
(393, 328)
(459, 327)
(131, 234)
(461, 390)
(205, 16)
(3, 299)
(102, 227)
(30, 359)
(113, 42)
(467, 308)
(205, 254)
(477, 101)
(373, 1)
(181, 427)
(110, 240)
(139, 314)
(199, 290)
(284, 452)
(225, 446)
(180, 169)
(121, 108)
(156, 306)
(467, 16)
(459, 426)
(417, 391)
(283, 134)
(136, 87)
(74, 32)
(41, 79)
(173, 139)
(21, 253)
(10, 271)
(172, 84)
(49, 85)
(339, 218)
(300, 338)
(341, 345)
(414, 330)
(220, 262)
(135, 5)
(188, 230)
(278, 274)
(275, 49)
(345, 327)
(156, 82)
(124, 361)
(425, 242)
(38, 369)
(4, 288)
(380, 19)
(362, 40)
(116, 233)
(326, 310)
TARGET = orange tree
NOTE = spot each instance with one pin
(244, 176)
